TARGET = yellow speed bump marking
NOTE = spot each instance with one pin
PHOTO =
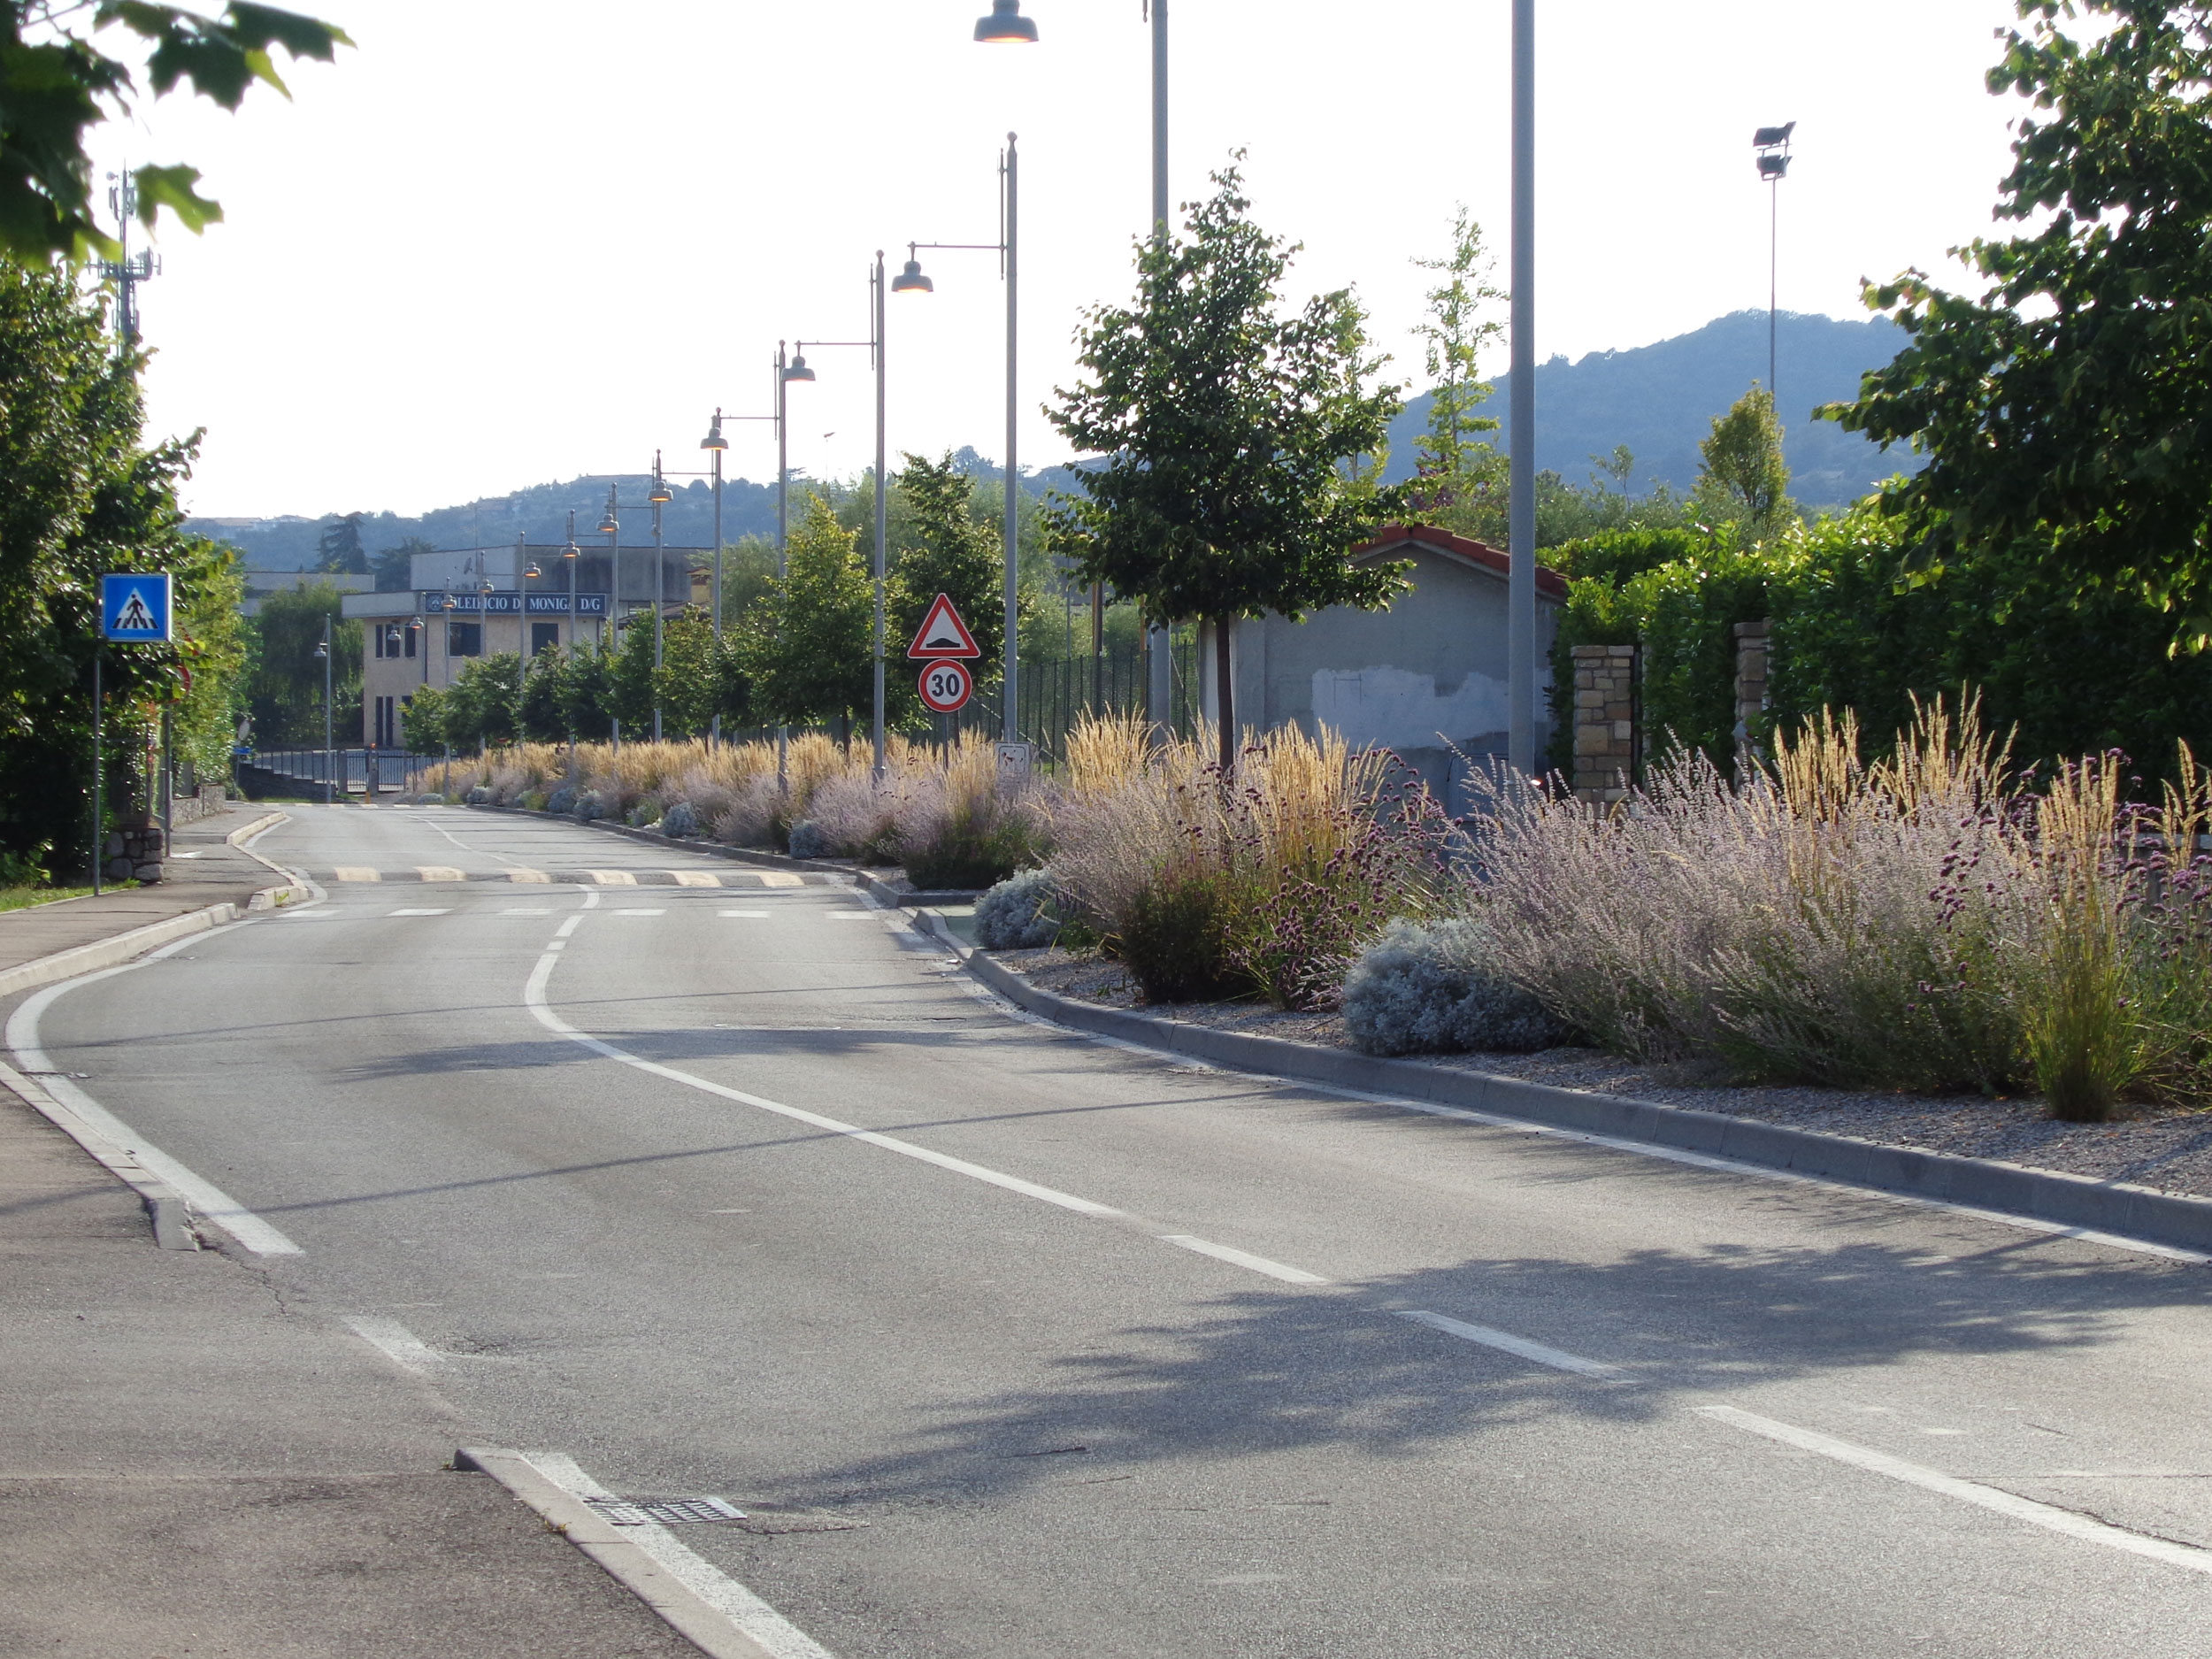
(612, 878)
(439, 873)
(529, 875)
(696, 879)
(354, 872)
(780, 878)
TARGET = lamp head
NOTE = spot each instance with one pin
(534, 571)
(659, 494)
(1774, 166)
(1006, 24)
(911, 281)
(714, 440)
(1768, 137)
(797, 369)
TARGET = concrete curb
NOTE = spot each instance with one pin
(693, 1617)
(749, 856)
(106, 953)
(2046, 1195)
(166, 1207)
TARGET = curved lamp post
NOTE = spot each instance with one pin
(912, 281)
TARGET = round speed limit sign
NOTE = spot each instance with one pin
(945, 687)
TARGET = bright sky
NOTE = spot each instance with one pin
(511, 241)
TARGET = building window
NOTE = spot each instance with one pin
(464, 639)
(407, 638)
(544, 636)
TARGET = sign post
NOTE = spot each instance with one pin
(134, 610)
(940, 644)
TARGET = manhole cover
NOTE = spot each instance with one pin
(662, 1512)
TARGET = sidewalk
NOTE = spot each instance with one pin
(197, 1460)
(210, 872)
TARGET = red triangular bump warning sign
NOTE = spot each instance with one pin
(943, 634)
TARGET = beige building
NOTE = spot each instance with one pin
(471, 603)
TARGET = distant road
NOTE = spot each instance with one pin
(1035, 1346)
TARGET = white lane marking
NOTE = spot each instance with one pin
(205, 1198)
(780, 878)
(201, 854)
(571, 925)
(612, 878)
(2043, 1515)
(447, 910)
(287, 914)
(695, 878)
(538, 876)
(355, 872)
(523, 910)
(1242, 1258)
(533, 997)
(638, 912)
(1558, 1359)
(754, 1617)
(440, 872)
(756, 916)
(396, 1343)
(850, 916)
(591, 898)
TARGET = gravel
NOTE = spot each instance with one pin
(2165, 1148)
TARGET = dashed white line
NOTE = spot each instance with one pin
(447, 910)
(1242, 1258)
(639, 912)
(755, 916)
(2048, 1517)
(1505, 1341)
(396, 1343)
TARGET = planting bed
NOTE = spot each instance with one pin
(2168, 1150)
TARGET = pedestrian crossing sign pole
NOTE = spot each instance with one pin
(134, 610)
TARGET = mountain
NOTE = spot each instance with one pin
(1659, 400)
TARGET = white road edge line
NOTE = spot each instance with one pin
(396, 1343)
(1242, 1258)
(206, 1201)
(1505, 1341)
(984, 993)
(708, 1607)
(2043, 1515)
(534, 998)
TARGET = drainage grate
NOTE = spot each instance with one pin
(670, 1512)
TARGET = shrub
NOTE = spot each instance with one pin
(681, 819)
(591, 804)
(563, 799)
(757, 814)
(647, 812)
(1431, 988)
(1173, 936)
(953, 826)
(808, 841)
(481, 796)
(853, 818)
(1018, 913)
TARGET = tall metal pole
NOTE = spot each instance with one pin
(99, 802)
(327, 800)
(1012, 722)
(1159, 659)
(1774, 271)
(783, 534)
(883, 494)
(715, 732)
(660, 592)
(1521, 514)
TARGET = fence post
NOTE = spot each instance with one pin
(1753, 648)
(1604, 722)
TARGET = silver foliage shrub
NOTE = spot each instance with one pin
(750, 818)
(1017, 914)
(1430, 988)
(591, 804)
(680, 819)
(563, 799)
(807, 842)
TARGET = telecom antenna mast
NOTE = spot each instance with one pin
(129, 271)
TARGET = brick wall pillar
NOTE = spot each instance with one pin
(1752, 702)
(1604, 721)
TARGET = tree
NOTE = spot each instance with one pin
(56, 84)
(808, 644)
(1451, 451)
(422, 721)
(1744, 476)
(699, 678)
(588, 694)
(628, 697)
(286, 694)
(543, 708)
(394, 566)
(483, 705)
(2068, 405)
(338, 550)
(1237, 441)
(946, 550)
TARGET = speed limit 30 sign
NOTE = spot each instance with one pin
(946, 685)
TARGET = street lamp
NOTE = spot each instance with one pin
(572, 560)
(799, 371)
(1006, 24)
(1773, 145)
(716, 444)
(911, 281)
(323, 651)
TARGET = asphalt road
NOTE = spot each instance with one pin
(1089, 1353)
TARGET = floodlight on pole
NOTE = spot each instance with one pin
(1773, 145)
(1006, 25)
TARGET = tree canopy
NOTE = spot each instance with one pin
(2068, 405)
(808, 643)
(57, 83)
(1238, 440)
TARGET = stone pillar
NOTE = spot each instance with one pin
(137, 852)
(1604, 721)
(1752, 640)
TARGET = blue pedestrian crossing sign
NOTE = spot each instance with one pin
(135, 609)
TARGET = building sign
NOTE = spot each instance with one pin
(457, 604)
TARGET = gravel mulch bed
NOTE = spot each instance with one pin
(2171, 1150)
